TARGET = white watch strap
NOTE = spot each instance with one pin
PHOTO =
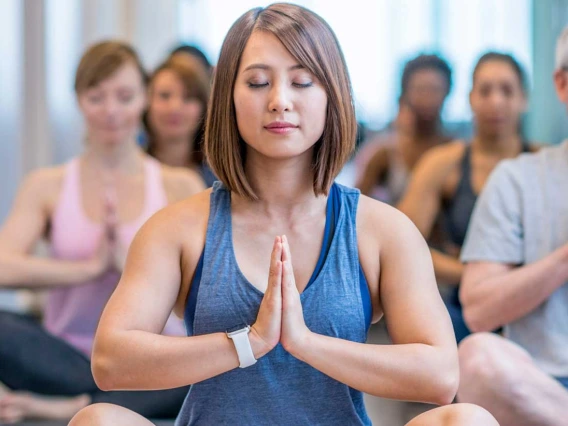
(242, 345)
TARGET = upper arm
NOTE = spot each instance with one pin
(26, 222)
(374, 170)
(413, 308)
(422, 199)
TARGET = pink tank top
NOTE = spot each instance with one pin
(72, 313)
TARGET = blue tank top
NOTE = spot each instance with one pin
(279, 389)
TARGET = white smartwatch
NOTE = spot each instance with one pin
(242, 344)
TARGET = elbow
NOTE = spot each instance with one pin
(102, 370)
(476, 320)
(444, 374)
(446, 389)
(444, 386)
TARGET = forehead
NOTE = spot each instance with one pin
(127, 74)
(496, 70)
(266, 49)
(427, 75)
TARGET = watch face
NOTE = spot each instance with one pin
(237, 328)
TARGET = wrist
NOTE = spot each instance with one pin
(258, 345)
(301, 344)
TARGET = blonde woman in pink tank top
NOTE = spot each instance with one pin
(88, 210)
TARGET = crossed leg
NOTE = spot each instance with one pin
(501, 377)
(451, 415)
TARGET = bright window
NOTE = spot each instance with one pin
(378, 36)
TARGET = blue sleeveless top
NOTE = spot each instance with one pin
(279, 389)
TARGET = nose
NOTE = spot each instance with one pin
(111, 107)
(280, 98)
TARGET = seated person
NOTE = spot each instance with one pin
(516, 277)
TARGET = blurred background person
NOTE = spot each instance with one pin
(384, 163)
(449, 178)
(175, 120)
(88, 210)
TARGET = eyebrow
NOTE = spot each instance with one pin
(266, 67)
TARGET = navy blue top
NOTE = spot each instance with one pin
(457, 211)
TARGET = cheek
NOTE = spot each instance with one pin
(134, 111)
(192, 111)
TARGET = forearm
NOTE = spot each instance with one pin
(409, 372)
(502, 299)
(24, 271)
(448, 269)
(140, 360)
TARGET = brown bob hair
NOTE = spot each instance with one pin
(311, 41)
(196, 83)
(103, 59)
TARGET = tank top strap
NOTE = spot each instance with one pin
(465, 167)
(69, 199)
(155, 196)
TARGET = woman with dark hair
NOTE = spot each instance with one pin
(449, 178)
(88, 210)
(277, 269)
(175, 120)
(385, 163)
(192, 51)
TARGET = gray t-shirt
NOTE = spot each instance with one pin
(520, 217)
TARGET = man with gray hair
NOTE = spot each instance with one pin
(516, 277)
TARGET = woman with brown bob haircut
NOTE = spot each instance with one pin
(175, 120)
(277, 270)
(88, 211)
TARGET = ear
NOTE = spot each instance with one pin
(561, 85)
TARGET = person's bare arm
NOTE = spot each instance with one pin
(24, 227)
(374, 171)
(129, 352)
(422, 201)
(494, 294)
(422, 365)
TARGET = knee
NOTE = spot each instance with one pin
(93, 415)
(455, 415)
(468, 415)
(485, 367)
(478, 359)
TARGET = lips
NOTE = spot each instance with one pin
(280, 125)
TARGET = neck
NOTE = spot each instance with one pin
(284, 187)
(173, 151)
(424, 130)
(124, 156)
(427, 129)
(500, 145)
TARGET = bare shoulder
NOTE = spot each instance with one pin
(185, 217)
(446, 155)
(181, 182)
(438, 162)
(44, 184)
(383, 223)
